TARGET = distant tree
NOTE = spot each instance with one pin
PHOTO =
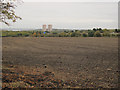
(38, 34)
(106, 34)
(42, 35)
(76, 30)
(94, 29)
(73, 34)
(7, 11)
(65, 31)
(89, 30)
(105, 30)
(69, 34)
(34, 34)
(113, 35)
(99, 29)
(62, 34)
(97, 34)
(118, 35)
(84, 34)
(19, 34)
(54, 32)
(47, 31)
(77, 34)
(116, 30)
(91, 33)
(25, 34)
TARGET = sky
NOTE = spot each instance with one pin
(68, 15)
(70, 0)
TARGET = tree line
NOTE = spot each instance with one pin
(64, 33)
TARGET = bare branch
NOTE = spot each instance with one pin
(7, 10)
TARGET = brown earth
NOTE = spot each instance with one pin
(72, 62)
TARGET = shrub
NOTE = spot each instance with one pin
(91, 33)
(106, 33)
(97, 34)
(84, 34)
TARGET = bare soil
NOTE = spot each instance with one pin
(72, 62)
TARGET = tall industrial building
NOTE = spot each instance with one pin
(49, 27)
(44, 27)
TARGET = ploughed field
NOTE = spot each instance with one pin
(60, 62)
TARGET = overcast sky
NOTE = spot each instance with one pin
(73, 15)
(70, 0)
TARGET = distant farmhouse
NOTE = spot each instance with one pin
(44, 27)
